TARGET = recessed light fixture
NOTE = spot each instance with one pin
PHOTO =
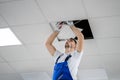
(7, 37)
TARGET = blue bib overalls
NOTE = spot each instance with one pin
(61, 70)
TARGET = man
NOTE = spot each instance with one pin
(67, 63)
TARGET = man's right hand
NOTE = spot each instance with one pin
(70, 23)
(60, 25)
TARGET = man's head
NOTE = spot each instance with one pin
(71, 43)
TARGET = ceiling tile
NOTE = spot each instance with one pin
(111, 64)
(57, 10)
(14, 53)
(32, 65)
(38, 52)
(21, 53)
(90, 47)
(91, 62)
(1, 59)
(108, 45)
(1, 1)
(111, 59)
(93, 74)
(36, 76)
(2, 22)
(5, 68)
(33, 34)
(21, 12)
(100, 8)
(105, 27)
(12, 76)
(116, 77)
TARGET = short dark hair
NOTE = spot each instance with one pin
(74, 40)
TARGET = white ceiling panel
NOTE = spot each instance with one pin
(1, 59)
(56, 10)
(91, 62)
(32, 66)
(93, 74)
(114, 77)
(38, 52)
(105, 27)
(90, 47)
(33, 34)
(109, 46)
(2, 22)
(21, 12)
(99, 8)
(5, 68)
(12, 76)
(21, 53)
(14, 53)
(111, 59)
(112, 65)
(36, 76)
(1, 1)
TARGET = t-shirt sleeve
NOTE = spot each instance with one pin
(56, 55)
(78, 55)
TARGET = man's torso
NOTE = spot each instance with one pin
(73, 62)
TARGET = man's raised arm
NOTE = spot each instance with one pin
(49, 42)
(80, 37)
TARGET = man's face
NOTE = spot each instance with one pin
(70, 43)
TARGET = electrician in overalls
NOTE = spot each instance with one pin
(67, 63)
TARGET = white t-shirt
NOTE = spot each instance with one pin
(73, 62)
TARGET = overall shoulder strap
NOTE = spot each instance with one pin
(58, 59)
(67, 58)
